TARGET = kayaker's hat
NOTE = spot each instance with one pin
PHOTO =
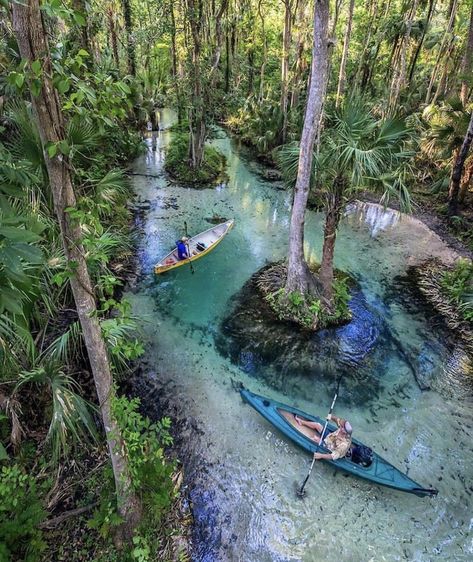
(184, 239)
(348, 427)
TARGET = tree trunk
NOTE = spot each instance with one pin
(399, 74)
(299, 277)
(440, 91)
(286, 44)
(421, 42)
(363, 65)
(298, 77)
(197, 110)
(457, 171)
(130, 42)
(175, 65)
(113, 36)
(265, 53)
(451, 21)
(466, 63)
(343, 62)
(465, 183)
(227, 60)
(83, 30)
(333, 213)
(31, 38)
(196, 113)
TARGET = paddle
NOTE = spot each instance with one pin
(188, 249)
(300, 492)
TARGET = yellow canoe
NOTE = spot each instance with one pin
(199, 245)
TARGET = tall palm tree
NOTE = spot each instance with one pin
(357, 152)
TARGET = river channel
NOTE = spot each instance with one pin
(241, 475)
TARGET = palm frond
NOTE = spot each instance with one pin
(113, 188)
(71, 421)
(66, 347)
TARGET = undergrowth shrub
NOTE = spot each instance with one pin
(20, 514)
(213, 163)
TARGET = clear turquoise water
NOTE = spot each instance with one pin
(241, 474)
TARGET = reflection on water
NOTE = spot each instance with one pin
(241, 474)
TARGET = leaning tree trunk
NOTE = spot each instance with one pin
(333, 213)
(31, 37)
(299, 277)
(343, 62)
(466, 63)
(457, 171)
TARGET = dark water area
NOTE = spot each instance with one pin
(403, 385)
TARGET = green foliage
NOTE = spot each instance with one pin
(213, 164)
(258, 123)
(309, 312)
(70, 419)
(144, 449)
(119, 332)
(20, 514)
(105, 518)
(457, 285)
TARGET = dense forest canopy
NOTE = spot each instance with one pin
(346, 97)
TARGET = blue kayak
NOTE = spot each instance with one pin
(379, 470)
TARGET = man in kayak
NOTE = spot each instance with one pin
(338, 441)
(182, 250)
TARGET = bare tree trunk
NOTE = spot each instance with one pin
(299, 277)
(265, 53)
(457, 171)
(343, 62)
(399, 74)
(113, 36)
(440, 91)
(300, 66)
(175, 64)
(286, 45)
(451, 21)
(364, 58)
(227, 60)
(197, 111)
(31, 37)
(333, 213)
(130, 42)
(421, 41)
(466, 63)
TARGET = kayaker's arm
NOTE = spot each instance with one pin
(338, 421)
(327, 456)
